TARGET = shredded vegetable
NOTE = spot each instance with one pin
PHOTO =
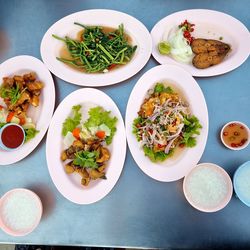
(164, 122)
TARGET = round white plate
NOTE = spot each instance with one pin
(70, 185)
(175, 167)
(209, 24)
(42, 114)
(50, 47)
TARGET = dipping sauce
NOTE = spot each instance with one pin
(235, 135)
(242, 183)
(12, 136)
(208, 187)
(20, 211)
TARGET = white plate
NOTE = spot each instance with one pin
(70, 185)
(50, 47)
(208, 24)
(42, 114)
(178, 166)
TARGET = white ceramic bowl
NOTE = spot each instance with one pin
(20, 212)
(211, 199)
(241, 183)
(240, 147)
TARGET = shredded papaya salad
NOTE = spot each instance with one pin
(164, 123)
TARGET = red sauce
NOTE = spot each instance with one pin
(12, 136)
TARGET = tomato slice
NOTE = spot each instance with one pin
(76, 133)
(100, 134)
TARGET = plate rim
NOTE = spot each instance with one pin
(39, 137)
(198, 72)
(146, 52)
(131, 137)
(81, 200)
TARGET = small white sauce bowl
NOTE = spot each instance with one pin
(203, 188)
(235, 148)
(33, 204)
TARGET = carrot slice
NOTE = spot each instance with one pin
(10, 116)
(76, 133)
(22, 120)
(1, 107)
(100, 134)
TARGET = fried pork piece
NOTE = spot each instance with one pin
(33, 86)
(87, 174)
(21, 91)
(208, 52)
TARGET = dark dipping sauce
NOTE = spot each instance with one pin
(12, 136)
(235, 135)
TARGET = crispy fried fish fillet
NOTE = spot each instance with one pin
(208, 52)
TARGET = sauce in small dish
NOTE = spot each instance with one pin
(235, 135)
(12, 136)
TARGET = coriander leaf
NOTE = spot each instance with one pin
(71, 122)
(98, 116)
(86, 159)
(30, 133)
(13, 93)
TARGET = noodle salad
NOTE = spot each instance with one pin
(164, 123)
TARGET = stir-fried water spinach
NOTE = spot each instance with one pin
(98, 51)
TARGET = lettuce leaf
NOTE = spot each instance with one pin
(191, 128)
(98, 116)
(160, 88)
(157, 156)
(30, 133)
(71, 122)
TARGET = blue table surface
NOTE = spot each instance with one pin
(139, 211)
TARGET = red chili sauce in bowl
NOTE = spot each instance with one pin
(235, 135)
(12, 136)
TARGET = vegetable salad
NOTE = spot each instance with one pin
(164, 123)
(86, 143)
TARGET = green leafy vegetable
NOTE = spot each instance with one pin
(98, 51)
(12, 93)
(71, 122)
(191, 128)
(30, 133)
(2, 124)
(98, 116)
(160, 88)
(137, 122)
(157, 156)
(86, 159)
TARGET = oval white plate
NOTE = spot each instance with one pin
(50, 47)
(208, 24)
(70, 185)
(176, 167)
(42, 114)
